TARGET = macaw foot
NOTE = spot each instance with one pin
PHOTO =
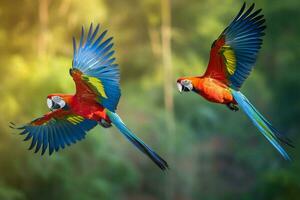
(104, 123)
(232, 106)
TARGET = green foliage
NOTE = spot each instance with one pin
(213, 153)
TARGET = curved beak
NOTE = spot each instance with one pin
(179, 86)
(49, 103)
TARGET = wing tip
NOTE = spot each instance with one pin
(164, 166)
(74, 45)
(286, 156)
(81, 37)
(12, 125)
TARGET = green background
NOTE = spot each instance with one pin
(213, 153)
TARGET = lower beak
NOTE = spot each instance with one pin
(179, 86)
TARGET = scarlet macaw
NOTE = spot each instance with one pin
(232, 57)
(96, 78)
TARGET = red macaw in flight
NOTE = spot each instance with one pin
(232, 57)
(96, 78)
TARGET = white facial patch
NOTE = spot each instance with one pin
(187, 84)
(58, 100)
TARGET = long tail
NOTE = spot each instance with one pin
(264, 126)
(117, 121)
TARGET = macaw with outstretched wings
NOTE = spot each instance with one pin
(232, 57)
(96, 78)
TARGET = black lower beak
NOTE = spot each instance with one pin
(55, 106)
(185, 89)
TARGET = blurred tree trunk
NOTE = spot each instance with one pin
(167, 55)
(168, 87)
(155, 41)
(64, 7)
(43, 27)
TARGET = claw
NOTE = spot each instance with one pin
(233, 107)
(104, 123)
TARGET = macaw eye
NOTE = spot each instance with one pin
(56, 99)
(185, 82)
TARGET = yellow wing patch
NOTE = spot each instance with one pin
(96, 84)
(75, 119)
(229, 59)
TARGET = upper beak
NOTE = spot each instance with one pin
(49, 103)
(179, 86)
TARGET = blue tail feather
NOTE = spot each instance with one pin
(264, 126)
(138, 143)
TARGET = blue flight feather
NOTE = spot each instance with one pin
(138, 143)
(244, 36)
(55, 134)
(45, 140)
(96, 59)
(39, 141)
(261, 123)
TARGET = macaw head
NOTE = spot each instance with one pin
(185, 84)
(58, 101)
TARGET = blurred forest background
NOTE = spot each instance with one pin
(213, 153)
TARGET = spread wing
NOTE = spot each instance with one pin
(234, 53)
(55, 130)
(94, 71)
